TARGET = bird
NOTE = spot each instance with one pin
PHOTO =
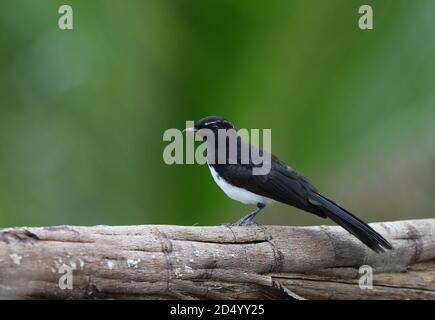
(281, 184)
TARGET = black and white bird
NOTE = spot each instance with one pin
(282, 184)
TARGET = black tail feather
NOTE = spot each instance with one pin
(351, 223)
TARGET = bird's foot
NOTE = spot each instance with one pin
(245, 221)
(225, 224)
(239, 223)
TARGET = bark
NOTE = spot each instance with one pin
(258, 262)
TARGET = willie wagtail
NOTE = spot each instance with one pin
(283, 184)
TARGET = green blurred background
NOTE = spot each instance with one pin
(82, 112)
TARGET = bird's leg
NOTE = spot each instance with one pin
(248, 219)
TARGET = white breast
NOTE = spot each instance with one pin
(237, 193)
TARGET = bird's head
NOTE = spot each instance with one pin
(213, 123)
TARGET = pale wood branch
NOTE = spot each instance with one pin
(258, 262)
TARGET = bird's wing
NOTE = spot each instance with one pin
(282, 184)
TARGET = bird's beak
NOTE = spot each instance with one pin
(191, 129)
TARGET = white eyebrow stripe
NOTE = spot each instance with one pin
(211, 122)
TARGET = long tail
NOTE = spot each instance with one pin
(351, 223)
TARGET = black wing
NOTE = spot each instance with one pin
(281, 184)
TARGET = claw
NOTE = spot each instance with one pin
(248, 223)
(247, 220)
(225, 224)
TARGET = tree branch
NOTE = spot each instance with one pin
(258, 262)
